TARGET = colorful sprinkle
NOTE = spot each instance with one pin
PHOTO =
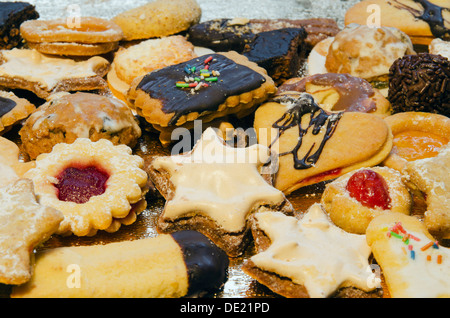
(209, 59)
(426, 246)
(211, 79)
(413, 254)
(439, 259)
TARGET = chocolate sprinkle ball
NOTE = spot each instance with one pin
(420, 83)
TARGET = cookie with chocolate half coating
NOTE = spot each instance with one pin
(182, 264)
(314, 145)
(204, 88)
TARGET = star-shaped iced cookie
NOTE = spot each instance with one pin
(311, 252)
(214, 188)
(24, 224)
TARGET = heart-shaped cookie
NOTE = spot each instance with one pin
(314, 145)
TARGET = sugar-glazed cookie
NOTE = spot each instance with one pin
(24, 224)
(96, 185)
(355, 198)
(413, 263)
(66, 117)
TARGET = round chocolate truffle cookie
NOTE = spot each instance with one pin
(420, 82)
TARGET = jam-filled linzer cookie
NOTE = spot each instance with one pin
(13, 110)
(336, 92)
(308, 256)
(413, 262)
(355, 198)
(214, 189)
(96, 185)
(66, 117)
(417, 135)
(24, 224)
(44, 75)
(182, 264)
(87, 36)
(314, 145)
(204, 88)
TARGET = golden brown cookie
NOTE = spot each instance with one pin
(24, 224)
(179, 94)
(149, 55)
(355, 198)
(183, 264)
(430, 176)
(367, 52)
(441, 47)
(340, 92)
(314, 145)
(158, 19)
(421, 20)
(417, 135)
(86, 36)
(66, 117)
(307, 256)
(96, 185)
(413, 263)
(213, 189)
(12, 110)
(44, 75)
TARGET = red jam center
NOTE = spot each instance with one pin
(370, 189)
(80, 184)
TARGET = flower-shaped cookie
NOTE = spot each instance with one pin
(96, 185)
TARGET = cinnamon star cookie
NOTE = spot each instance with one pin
(213, 189)
(311, 253)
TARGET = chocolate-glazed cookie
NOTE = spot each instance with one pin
(12, 14)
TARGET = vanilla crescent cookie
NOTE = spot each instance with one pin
(158, 19)
(412, 261)
(24, 224)
(355, 198)
(10, 156)
(85, 36)
(44, 75)
(96, 185)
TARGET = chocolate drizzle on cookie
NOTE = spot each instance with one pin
(235, 79)
(6, 105)
(431, 14)
(304, 105)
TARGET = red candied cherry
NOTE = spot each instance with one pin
(369, 188)
(80, 184)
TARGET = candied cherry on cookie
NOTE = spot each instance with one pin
(96, 185)
(355, 198)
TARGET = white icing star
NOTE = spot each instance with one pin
(219, 181)
(313, 252)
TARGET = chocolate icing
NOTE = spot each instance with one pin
(234, 79)
(301, 106)
(207, 264)
(7, 9)
(432, 15)
(354, 92)
(6, 105)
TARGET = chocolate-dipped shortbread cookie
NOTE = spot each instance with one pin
(166, 266)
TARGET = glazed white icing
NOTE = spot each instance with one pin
(48, 71)
(313, 252)
(219, 181)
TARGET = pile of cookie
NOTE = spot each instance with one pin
(282, 105)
